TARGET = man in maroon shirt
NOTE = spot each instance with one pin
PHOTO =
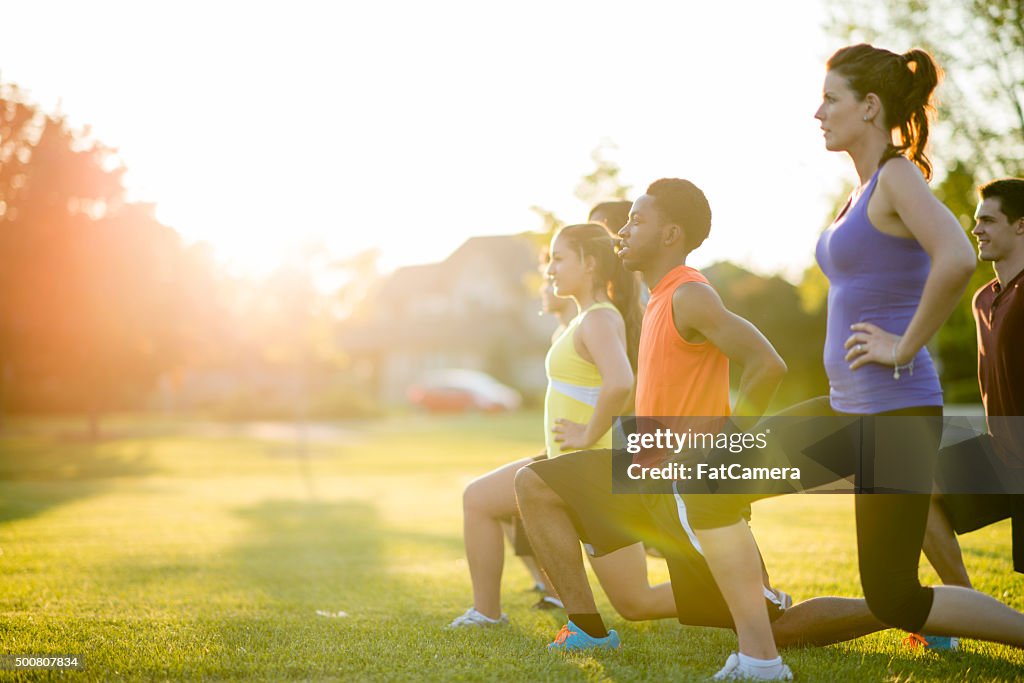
(992, 462)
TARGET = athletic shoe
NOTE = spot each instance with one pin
(548, 602)
(474, 618)
(932, 642)
(735, 671)
(785, 599)
(572, 637)
(538, 587)
(942, 642)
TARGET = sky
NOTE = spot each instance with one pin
(259, 127)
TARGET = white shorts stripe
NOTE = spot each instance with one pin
(769, 594)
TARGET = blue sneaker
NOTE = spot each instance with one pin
(932, 642)
(572, 637)
(942, 642)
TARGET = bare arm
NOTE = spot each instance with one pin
(602, 335)
(700, 314)
(904, 191)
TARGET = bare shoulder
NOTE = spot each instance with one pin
(901, 175)
(602, 320)
(694, 301)
(905, 204)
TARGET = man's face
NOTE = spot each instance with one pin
(997, 237)
(642, 235)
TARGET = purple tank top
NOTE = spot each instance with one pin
(876, 278)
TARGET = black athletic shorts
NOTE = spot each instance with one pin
(607, 522)
(975, 465)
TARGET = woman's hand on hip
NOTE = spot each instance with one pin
(869, 343)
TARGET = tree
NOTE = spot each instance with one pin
(774, 306)
(93, 296)
(359, 272)
(603, 183)
(600, 185)
(980, 45)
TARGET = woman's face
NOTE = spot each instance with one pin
(567, 269)
(841, 113)
(549, 303)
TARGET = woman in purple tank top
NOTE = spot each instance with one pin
(897, 262)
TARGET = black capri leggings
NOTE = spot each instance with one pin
(890, 528)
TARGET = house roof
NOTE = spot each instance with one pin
(451, 312)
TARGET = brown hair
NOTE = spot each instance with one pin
(621, 285)
(616, 213)
(904, 83)
(1010, 193)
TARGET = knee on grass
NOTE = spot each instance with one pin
(896, 603)
(790, 635)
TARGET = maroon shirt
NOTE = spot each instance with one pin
(999, 314)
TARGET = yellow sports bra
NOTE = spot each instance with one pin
(573, 384)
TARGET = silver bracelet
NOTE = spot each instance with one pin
(896, 367)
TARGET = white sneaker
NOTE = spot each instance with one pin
(735, 671)
(784, 598)
(548, 602)
(474, 618)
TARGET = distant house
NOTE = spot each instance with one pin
(477, 309)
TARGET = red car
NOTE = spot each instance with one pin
(457, 391)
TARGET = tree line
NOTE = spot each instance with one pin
(100, 302)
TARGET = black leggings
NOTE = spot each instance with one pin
(890, 528)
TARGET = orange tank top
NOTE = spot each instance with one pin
(674, 376)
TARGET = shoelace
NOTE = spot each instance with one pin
(563, 634)
(470, 617)
(915, 640)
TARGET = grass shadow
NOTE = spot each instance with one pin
(342, 558)
(39, 473)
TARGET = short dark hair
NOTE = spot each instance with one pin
(1009, 192)
(617, 213)
(683, 203)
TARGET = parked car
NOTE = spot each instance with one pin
(458, 390)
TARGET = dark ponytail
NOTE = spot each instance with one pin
(916, 107)
(904, 84)
(622, 286)
(624, 291)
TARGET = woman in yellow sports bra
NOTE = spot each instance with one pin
(590, 369)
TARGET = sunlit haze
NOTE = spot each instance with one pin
(413, 126)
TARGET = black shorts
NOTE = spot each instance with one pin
(973, 465)
(607, 522)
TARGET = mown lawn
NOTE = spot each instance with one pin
(197, 551)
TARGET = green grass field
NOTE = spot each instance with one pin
(196, 551)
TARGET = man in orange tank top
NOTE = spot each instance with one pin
(688, 340)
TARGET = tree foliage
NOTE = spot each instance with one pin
(980, 46)
(97, 297)
(603, 183)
